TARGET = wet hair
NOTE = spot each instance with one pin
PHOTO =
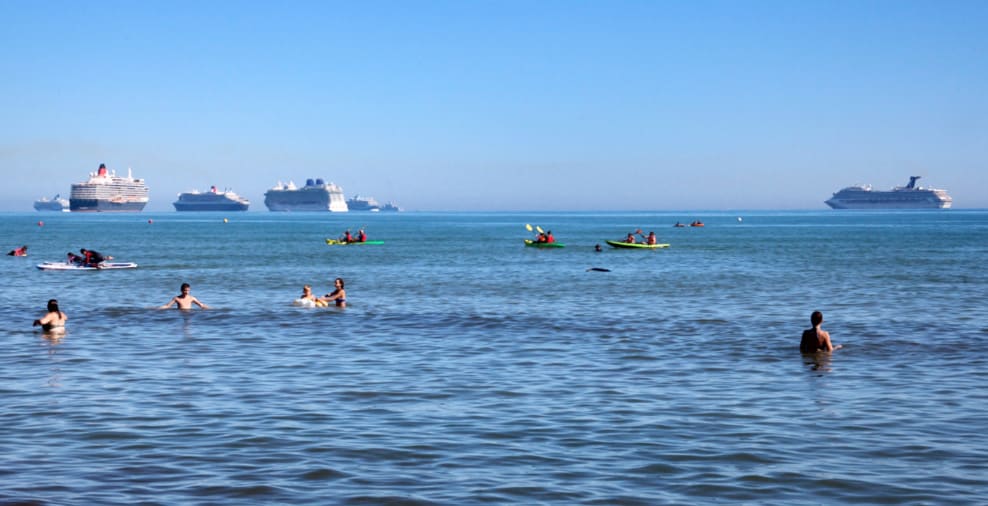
(816, 318)
(341, 282)
(53, 306)
(306, 288)
(184, 286)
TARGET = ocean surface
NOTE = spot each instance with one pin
(469, 369)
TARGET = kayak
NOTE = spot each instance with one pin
(632, 245)
(63, 266)
(529, 242)
(337, 242)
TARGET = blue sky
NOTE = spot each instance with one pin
(499, 105)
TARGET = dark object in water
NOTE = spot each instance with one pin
(598, 269)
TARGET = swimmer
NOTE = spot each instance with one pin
(816, 339)
(185, 300)
(53, 320)
(338, 295)
(18, 252)
(307, 296)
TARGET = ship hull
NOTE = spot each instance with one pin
(104, 206)
(49, 206)
(886, 205)
(219, 206)
(305, 200)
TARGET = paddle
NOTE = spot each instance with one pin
(528, 227)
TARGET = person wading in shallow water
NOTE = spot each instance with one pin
(816, 339)
(53, 320)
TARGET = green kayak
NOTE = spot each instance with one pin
(529, 242)
(632, 245)
(337, 242)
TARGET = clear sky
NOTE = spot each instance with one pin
(499, 105)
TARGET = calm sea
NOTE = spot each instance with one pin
(469, 369)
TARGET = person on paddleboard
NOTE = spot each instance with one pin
(184, 300)
(18, 252)
(91, 258)
(53, 320)
(816, 339)
(338, 296)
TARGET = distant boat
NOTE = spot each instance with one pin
(212, 200)
(358, 203)
(107, 192)
(316, 195)
(391, 207)
(900, 197)
(53, 204)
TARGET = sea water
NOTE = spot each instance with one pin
(470, 369)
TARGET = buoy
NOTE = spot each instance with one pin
(41, 223)
(226, 220)
(739, 219)
(150, 221)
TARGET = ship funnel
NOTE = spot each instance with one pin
(309, 182)
(912, 181)
(320, 182)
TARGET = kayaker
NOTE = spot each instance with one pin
(361, 236)
(549, 237)
(338, 296)
(816, 339)
(18, 252)
(347, 237)
(184, 300)
(651, 238)
(540, 238)
(53, 320)
(630, 239)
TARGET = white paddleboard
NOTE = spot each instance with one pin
(63, 266)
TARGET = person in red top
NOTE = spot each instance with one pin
(19, 252)
(347, 237)
(630, 239)
(361, 236)
(651, 238)
(549, 237)
(92, 258)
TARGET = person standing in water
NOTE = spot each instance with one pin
(53, 320)
(184, 300)
(338, 296)
(816, 339)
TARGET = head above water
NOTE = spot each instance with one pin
(816, 318)
(184, 287)
(339, 281)
(53, 306)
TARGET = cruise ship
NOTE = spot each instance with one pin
(107, 192)
(391, 206)
(316, 195)
(51, 204)
(358, 203)
(212, 200)
(910, 196)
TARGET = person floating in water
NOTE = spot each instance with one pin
(307, 295)
(53, 320)
(184, 300)
(597, 248)
(816, 339)
(338, 296)
(18, 252)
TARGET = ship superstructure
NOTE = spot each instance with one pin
(51, 204)
(107, 192)
(910, 196)
(316, 195)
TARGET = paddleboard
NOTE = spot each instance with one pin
(337, 242)
(629, 245)
(529, 242)
(62, 266)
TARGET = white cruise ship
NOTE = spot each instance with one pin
(51, 204)
(107, 192)
(316, 195)
(900, 197)
(213, 200)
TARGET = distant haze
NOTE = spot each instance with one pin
(554, 105)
